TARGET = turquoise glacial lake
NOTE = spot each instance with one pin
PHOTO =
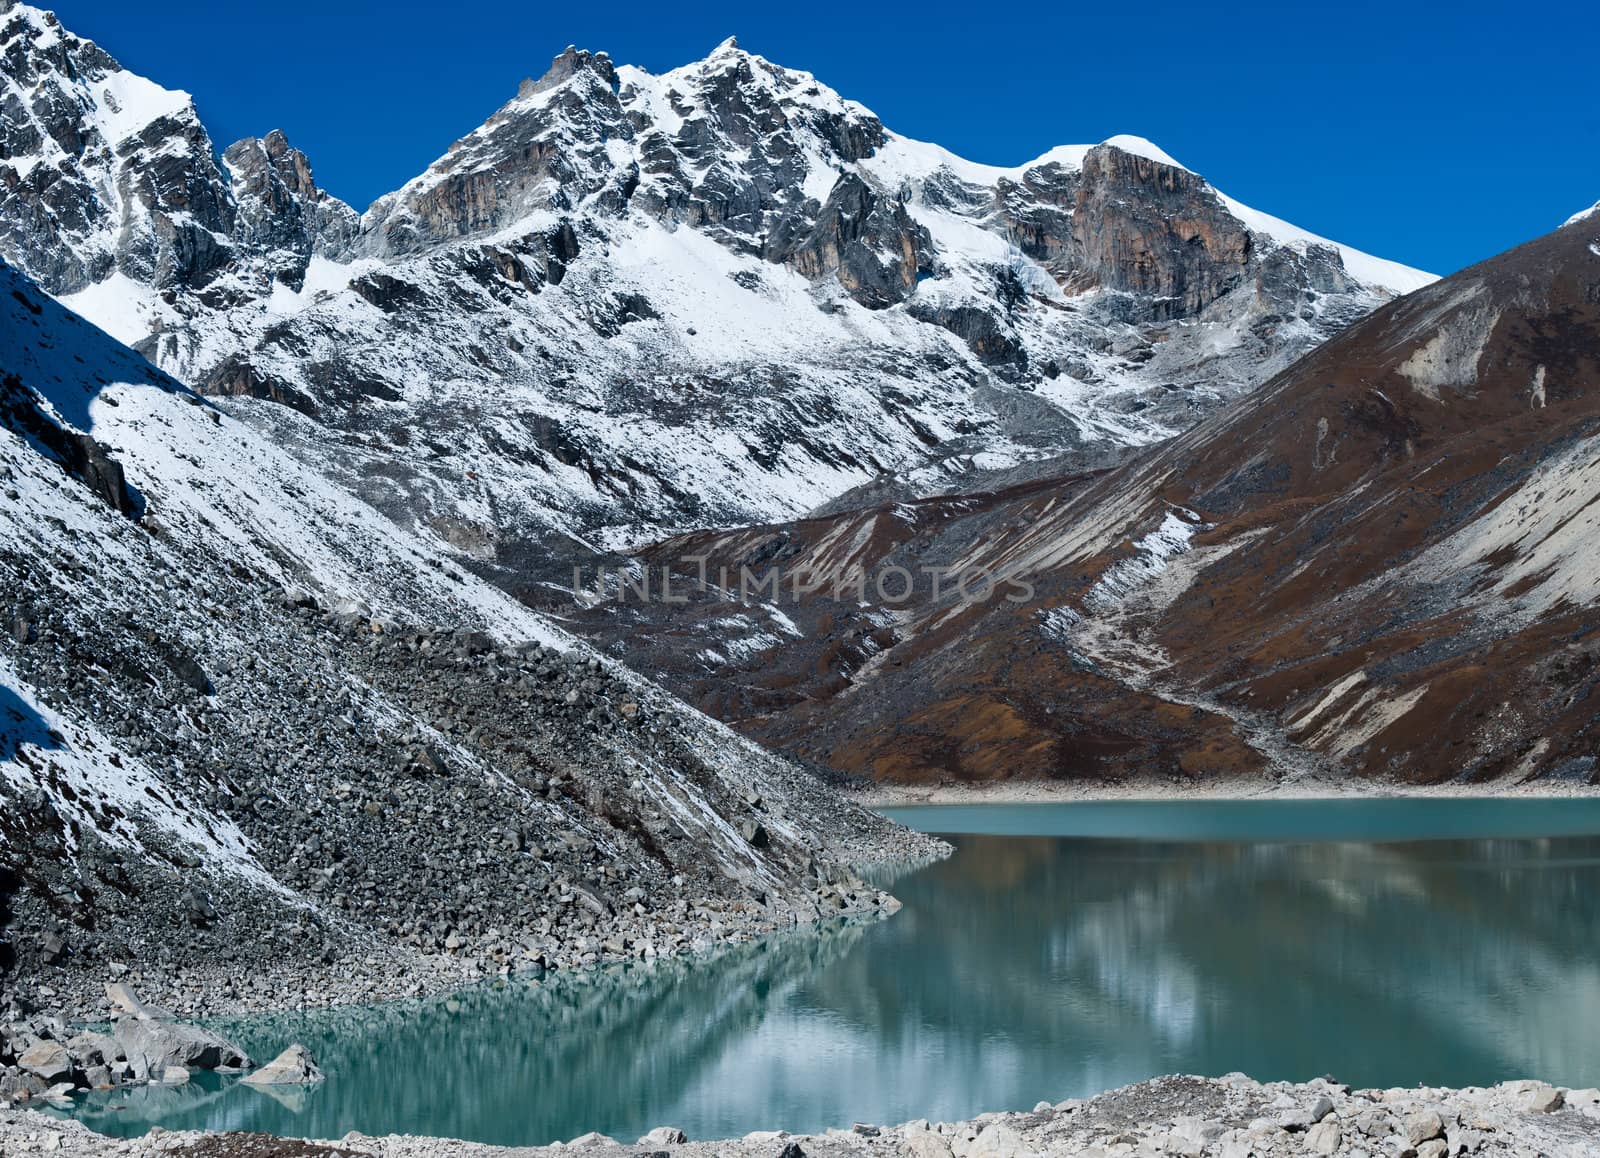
(1064, 949)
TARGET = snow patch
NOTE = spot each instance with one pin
(1151, 555)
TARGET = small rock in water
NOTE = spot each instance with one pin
(174, 1076)
(293, 1067)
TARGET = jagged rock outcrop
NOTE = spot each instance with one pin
(866, 240)
(1155, 230)
(101, 171)
(110, 182)
(283, 218)
(545, 151)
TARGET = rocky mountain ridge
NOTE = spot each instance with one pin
(632, 303)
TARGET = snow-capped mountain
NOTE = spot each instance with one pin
(1380, 564)
(240, 709)
(629, 303)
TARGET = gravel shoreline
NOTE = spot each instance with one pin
(1243, 788)
(1167, 1117)
(378, 970)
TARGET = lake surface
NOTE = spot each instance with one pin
(1064, 949)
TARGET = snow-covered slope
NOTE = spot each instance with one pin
(238, 707)
(631, 303)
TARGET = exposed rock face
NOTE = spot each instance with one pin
(78, 454)
(1157, 231)
(545, 151)
(283, 217)
(103, 172)
(869, 242)
(100, 170)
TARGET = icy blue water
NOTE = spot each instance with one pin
(1063, 950)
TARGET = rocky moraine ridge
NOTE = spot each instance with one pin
(1176, 1117)
(261, 747)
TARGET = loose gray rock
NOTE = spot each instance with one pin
(152, 1046)
(46, 1060)
(1423, 1126)
(1324, 1137)
(664, 1136)
(293, 1067)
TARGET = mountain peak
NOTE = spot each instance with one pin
(571, 61)
(1142, 147)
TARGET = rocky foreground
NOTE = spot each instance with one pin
(1182, 1117)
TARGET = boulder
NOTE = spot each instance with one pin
(1423, 1126)
(1545, 1100)
(46, 1060)
(293, 1067)
(19, 1084)
(590, 1141)
(1324, 1137)
(52, 946)
(125, 1000)
(151, 1046)
(998, 1140)
(88, 1050)
(663, 1136)
(926, 1144)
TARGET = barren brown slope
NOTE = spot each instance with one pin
(1384, 563)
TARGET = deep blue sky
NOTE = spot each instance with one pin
(1435, 134)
